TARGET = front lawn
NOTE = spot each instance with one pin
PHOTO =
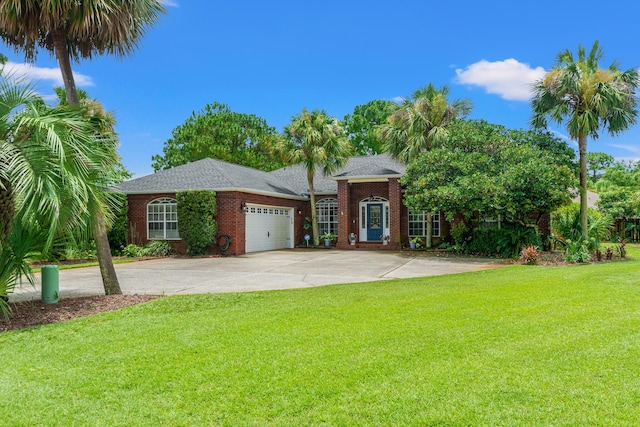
(512, 346)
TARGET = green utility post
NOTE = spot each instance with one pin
(50, 286)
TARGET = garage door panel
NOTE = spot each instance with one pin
(268, 228)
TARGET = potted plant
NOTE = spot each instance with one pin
(385, 239)
(353, 238)
(328, 237)
(414, 242)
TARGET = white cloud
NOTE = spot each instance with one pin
(37, 74)
(630, 148)
(398, 99)
(510, 79)
(170, 3)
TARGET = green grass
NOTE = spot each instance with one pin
(513, 346)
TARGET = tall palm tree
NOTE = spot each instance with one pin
(577, 91)
(316, 140)
(76, 30)
(419, 124)
(51, 157)
(73, 29)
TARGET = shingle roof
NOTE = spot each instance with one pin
(371, 166)
(592, 198)
(380, 165)
(291, 181)
(296, 178)
(206, 174)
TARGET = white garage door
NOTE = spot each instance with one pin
(268, 228)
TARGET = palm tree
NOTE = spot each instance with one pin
(419, 124)
(586, 97)
(316, 140)
(77, 30)
(52, 158)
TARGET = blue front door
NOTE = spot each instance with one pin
(374, 222)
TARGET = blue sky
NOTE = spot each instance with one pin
(274, 58)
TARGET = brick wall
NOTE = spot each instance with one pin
(395, 213)
(345, 215)
(138, 220)
(349, 197)
(230, 219)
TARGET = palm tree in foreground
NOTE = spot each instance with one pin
(420, 124)
(316, 140)
(73, 29)
(588, 98)
(53, 165)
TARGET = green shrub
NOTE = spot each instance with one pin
(16, 250)
(444, 245)
(484, 241)
(196, 212)
(459, 233)
(132, 251)
(576, 251)
(157, 248)
(505, 242)
(565, 224)
(513, 238)
(81, 250)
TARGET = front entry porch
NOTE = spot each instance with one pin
(374, 220)
(370, 213)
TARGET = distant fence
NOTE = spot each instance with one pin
(629, 228)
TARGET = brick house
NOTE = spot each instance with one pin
(260, 211)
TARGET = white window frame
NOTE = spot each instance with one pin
(327, 211)
(166, 214)
(419, 218)
(385, 220)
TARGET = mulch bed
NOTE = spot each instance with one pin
(25, 314)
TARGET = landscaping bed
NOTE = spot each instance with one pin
(33, 313)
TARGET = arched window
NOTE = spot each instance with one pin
(162, 219)
(327, 210)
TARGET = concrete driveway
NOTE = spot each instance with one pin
(284, 269)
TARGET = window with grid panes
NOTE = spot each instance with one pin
(162, 219)
(418, 225)
(327, 211)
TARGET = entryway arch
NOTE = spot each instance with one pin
(374, 219)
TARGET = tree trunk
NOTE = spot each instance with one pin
(99, 230)
(64, 61)
(429, 221)
(107, 270)
(7, 208)
(314, 214)
(582, 147)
